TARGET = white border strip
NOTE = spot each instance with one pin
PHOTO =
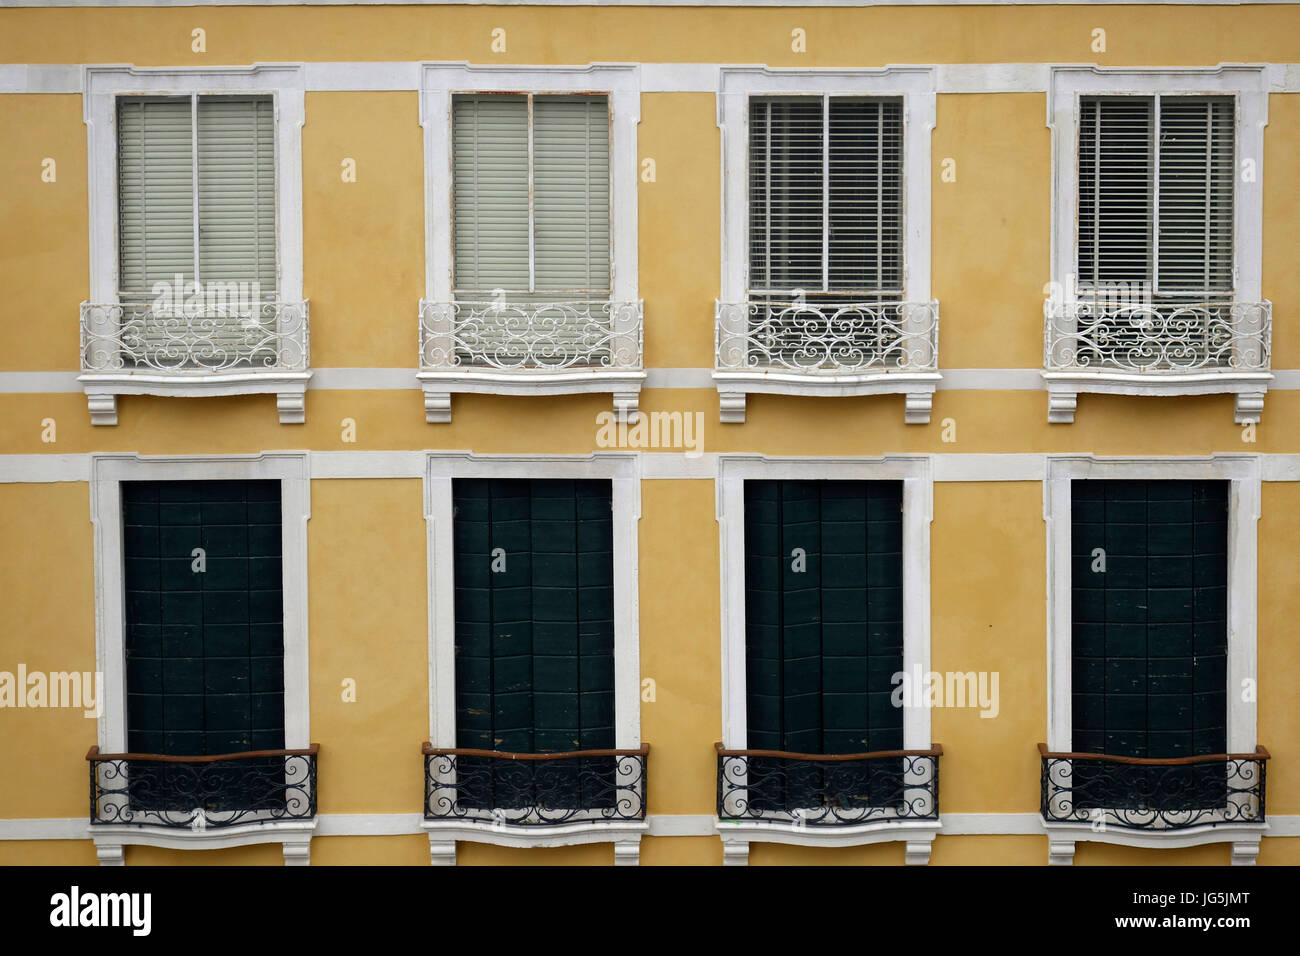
(850, 4)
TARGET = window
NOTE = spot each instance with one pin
(825, 621)
(531, 267)
(826, 250)
(1156, 259)
(196, 236)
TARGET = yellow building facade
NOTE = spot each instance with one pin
(376, 425)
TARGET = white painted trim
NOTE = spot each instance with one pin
(1245, 474)
(295, 836)
(103, 86)
(622, 471)
(107, 472)
(569, 834)
(1249, 85)
(846, 4)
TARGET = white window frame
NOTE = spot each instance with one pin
(107, 472)
(439, 84)
(1248, 85)
(917, 474)
(915, 85)
(103, 86)
(1245, 476)
(623, 471)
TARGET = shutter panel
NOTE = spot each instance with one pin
(571, 197)
(236, 139)
(786, 189)
(866, 195)
(490, 192)
(155, 194)
(1115, 190)
(1197, 149)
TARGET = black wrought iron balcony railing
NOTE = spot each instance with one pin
(199, 793)
(546, 789)
(828, 790)
(1153, 794)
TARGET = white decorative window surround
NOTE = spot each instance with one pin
(609, 357)
(1246, 328)
(916, 473)
(1244, 474)
(108, 367)
(622, 470)
(107, 472)
(848, 368)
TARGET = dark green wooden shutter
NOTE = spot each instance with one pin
(535, 642)
(1149, 638)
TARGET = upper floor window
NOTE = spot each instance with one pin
(530, 183)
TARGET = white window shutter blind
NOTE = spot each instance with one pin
(1197, 148)
(866, 196)
(571, 198)
(236, 191)
(155, 193)
(1116, 194)
(786, 189)
(490, 203)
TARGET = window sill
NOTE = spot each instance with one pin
(624, 834)
(1063, 388)
(102, 389)
(1244, 838)
(294, 836)
(917, 834)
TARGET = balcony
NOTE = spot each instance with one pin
(1152, 802)
(263, 796)
(826, 349)
(530, 348)
(547, 799)
(144, 348)
(829, 799)
(1160, 348)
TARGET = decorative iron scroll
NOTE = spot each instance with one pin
(828, 790)
(200, 793)
(1158, 337)
(1151, 794)
(530, 336)
(534, 790)
(823, 338)
(141, 337)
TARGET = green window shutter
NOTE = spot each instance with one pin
(490, 192)
(155, 193)
(571, 201)
(236, 137)
(1197, 149)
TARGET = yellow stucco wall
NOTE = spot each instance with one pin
(364, 275)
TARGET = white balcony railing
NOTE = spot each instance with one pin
(822, 348)
(144, 347)
(1157, 348)
(530, 346)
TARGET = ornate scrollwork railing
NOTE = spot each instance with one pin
(530, 336)
(534, 790)
(145, 337)
(1150, 794)
(828, 790)
(197, 793)
(823, 338)
(1158, 337)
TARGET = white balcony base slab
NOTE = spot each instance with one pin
(1063, 388)
(102, 389)
(1244, 838)
(294, 836)
(918, 835)
(444, 834)
(440, 385)
(918, 387)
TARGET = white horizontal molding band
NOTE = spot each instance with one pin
(369, 76)
(652, 465)
(660, 825)
(638, 3)
(404, 379)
